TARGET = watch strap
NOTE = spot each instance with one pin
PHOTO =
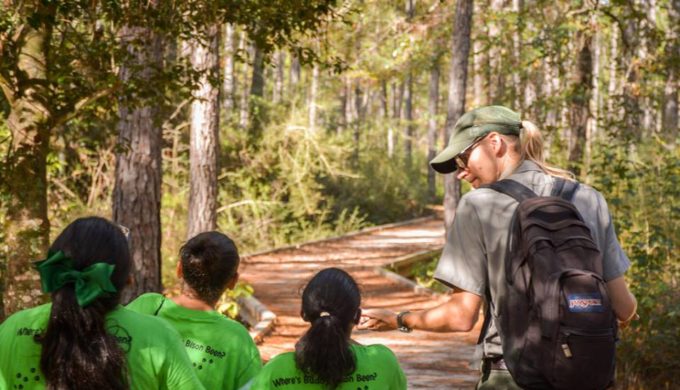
(400, 322)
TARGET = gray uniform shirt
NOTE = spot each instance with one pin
(474, 254)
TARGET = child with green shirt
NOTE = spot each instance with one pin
(222, 352)
(84, 339)
(325, 357)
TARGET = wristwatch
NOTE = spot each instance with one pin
(400, 322)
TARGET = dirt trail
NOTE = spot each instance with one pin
(430, 360)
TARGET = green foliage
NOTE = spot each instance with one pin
(423, 274)
(384, 189)
(641, 185)
(228, 303)
(270, 189)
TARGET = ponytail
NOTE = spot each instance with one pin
(531, 148)
(77, 350)
(324, 351)
(330, 302)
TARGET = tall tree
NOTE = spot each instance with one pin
(229, 87)
(631, 97)
(54, 66)
(137, 191)
(432, 107)
(579, 101)
(408, 95)
(294, 70)
(314, 88)
(670, 100)
(460, 51)
(496, 75)
(408, 119)
(205, 114)
(30, 122)
(257, 79)
(280, 57)
(245, 84)
(358, 117)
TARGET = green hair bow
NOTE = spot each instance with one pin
(90, 283)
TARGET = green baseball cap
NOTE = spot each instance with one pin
(470, 127)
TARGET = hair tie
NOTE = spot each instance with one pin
(90, 283)
(324, 314)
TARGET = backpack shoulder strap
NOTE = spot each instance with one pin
(513, 189)
(565, 189)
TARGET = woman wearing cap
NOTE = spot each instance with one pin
(325, 357)
(489, 144)
(84, 339)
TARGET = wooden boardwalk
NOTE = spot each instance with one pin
(430, 360)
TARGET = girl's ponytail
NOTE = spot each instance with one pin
(330, 302)
(324, 350)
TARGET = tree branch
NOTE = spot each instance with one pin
(82, 103)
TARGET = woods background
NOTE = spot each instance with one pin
(281, 121)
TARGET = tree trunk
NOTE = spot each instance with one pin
(245, 88)
(137, 191)
(579, 101)
(383, 99)
(229, 85)
(204, 144)
(433, 102)
(408, 118)
(631, 101)
(591, 129)
(670, 98)
(349, 106)
(460, 51)
(496, 73)
(278, 79)
(408, 96)
(517, 79)
(313, 97)
(480, 60)
(257, 83)
(344, 95)
(358, 118)
(294, 71)
(612, 87)
(25, 175)
(397, 95)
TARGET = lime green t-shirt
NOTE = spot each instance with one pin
(377, 369)
(221, 350)
(155, 357)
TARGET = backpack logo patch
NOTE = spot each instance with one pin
(585, 303)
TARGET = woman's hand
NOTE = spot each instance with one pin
(377, 320)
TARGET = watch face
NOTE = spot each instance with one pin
(405, 329)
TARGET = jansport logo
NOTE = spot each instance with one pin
(585, 302)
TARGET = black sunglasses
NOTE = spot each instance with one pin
(461, 158)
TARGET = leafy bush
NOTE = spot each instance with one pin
(641, 185)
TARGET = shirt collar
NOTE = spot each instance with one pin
(526, 166)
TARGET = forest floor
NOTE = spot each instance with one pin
(430, 360)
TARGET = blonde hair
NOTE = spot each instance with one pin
(531, 148)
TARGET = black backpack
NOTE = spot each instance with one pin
(557, 326)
